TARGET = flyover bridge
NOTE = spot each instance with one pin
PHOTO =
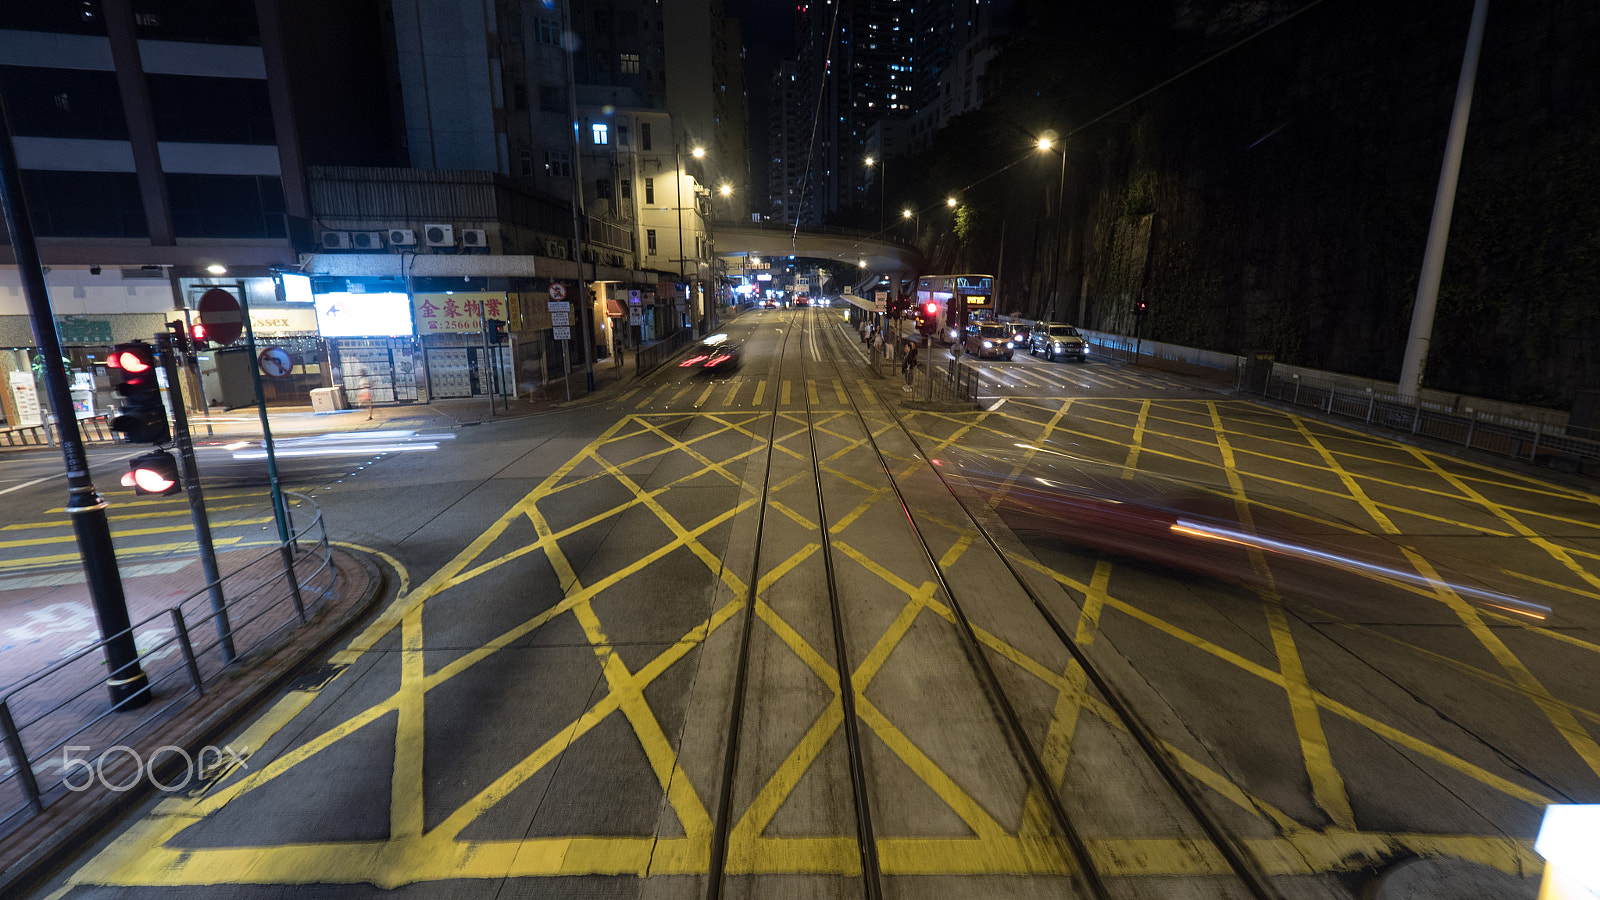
(870, 251)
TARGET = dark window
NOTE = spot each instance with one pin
(550, 32)
(63, 103)
(602, 21)
(552, 98)
(519, 96)
(649, 188)
(650, 239)
(602, 188)
(85, 204)
(644, 135)
(558, 163)
(63, 17)
(525, 159)
(195, 109)
(231, 206)
(627, 189)
(201, 21)
(622, 135)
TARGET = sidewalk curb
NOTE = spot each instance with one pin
(265, 678)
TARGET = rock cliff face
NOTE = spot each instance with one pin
(1277, 199)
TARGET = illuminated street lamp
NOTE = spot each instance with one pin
(883, 177)
(1045, 144)
(950, 202)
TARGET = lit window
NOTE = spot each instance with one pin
(650, 239)
(600, 133)
(649, 190)
(629, 63)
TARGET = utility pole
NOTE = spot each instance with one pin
(1444, 201)
(127, 683)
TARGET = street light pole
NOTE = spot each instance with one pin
(1055, 262)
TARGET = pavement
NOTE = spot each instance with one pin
(46, 618)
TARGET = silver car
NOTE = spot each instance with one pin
(1056, 341)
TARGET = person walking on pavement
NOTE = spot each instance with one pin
(909, 364)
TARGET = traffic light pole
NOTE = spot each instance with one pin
(197, 500)
(127, 683)
(488, 359)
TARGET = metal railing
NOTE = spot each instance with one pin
(63, 708)
(93, 429)
(657, 353)
(953, 382)
(1503, 435)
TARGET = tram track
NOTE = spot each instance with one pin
(1062, 831)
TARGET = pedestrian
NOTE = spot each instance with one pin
(909, 364)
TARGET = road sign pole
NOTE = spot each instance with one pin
(488, 361)
(197, 500)
(280, 512)
(128, 684)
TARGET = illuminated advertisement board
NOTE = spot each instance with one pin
(363, 315)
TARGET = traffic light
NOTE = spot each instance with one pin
(928, 317)
(179, 335)
(155, 472)
(497, 330)
(197, 338)
(1140, 307)
(141, 419)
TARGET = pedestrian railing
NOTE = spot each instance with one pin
(1477, 430)
(954, 382)
(657, 353)
(92, 429)
(62, 734)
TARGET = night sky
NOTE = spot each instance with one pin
(768, 38)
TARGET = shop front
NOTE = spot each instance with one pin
(372, 346)
(459, 362)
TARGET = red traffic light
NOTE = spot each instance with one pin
(152, 473)
(930, 309)
(132, 362)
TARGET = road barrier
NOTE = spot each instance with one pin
(62, 735)
(657, 353)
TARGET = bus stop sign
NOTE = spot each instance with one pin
(219, 313)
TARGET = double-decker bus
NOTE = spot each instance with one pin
(954, 302)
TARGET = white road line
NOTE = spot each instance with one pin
(997, 404)
(18, 487)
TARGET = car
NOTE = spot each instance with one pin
(802, 300)
(1021, 333)
(714, 354)
(1055, 340)
(769, 304)
(989, 340)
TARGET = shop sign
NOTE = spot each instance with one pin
(283, 321)
(81, 330)
(457, 312)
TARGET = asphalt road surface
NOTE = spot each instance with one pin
(736, 636)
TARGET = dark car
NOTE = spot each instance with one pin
(989, 341)
(1021, 333)
(714, 354)
(1057, 341)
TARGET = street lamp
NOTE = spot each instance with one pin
(950, 202)
(1045, 143)
(697, 153)
(883, 177)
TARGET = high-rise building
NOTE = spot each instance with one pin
(787, 136)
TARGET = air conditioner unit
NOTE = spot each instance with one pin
(474, 237)
(555, 249)
(336, 240)
(366, 240)
(402, 237)
(439, 235)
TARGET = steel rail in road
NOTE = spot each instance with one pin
(870, 873)
(1238, 858)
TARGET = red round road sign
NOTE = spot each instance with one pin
(558, 291)
(219, 313)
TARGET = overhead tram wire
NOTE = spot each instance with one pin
(816, 122)
(1145, 93)
(1233, 852)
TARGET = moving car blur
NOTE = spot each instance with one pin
(714, 354)
(1264, 543)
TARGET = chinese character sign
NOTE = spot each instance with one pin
(456, 312)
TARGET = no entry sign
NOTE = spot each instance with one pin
(219, 313)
